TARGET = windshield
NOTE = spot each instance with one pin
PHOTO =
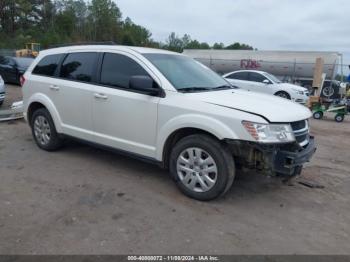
(24, 62)
(273, 78)
(186, 73)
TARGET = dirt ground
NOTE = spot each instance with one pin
(83, 200)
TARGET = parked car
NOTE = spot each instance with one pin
(166, 108)
(2, 91)
(263, 82)
(12, 68)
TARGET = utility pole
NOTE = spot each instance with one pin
(341, 70)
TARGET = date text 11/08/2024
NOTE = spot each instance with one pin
(173, 258)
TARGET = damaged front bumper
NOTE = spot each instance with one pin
(289, 162)
(275, 159)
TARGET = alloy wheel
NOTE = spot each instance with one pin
(42, 130)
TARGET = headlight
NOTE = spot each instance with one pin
(298, 91)
(270, 133)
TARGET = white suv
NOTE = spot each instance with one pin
(167, 108)
(263, 82)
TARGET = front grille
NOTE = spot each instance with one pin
(301, 132)
(298, 125)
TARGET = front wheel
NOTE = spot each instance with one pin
(201, 167)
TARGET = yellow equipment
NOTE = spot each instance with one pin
(30, 50)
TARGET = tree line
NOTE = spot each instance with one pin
(53, 22)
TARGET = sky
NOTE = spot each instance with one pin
(308, 25)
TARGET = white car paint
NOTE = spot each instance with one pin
(273, 86)
(257, 104)
(149, 120)
(123, 118)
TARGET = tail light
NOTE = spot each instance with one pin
(22, 80)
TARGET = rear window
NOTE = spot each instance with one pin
(47, 66)
(79, 66)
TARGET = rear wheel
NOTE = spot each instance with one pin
(283, 95)
(44, 131)
(317, 115)
(201, 167)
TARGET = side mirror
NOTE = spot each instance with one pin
(144, 84)
(267, 82)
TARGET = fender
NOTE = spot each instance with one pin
(208, 124)
(46, 101)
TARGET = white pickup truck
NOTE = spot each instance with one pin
(167, 108)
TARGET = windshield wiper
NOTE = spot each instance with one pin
(224, 87)
(193, 88)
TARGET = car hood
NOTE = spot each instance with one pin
(272, 108)
(287, 86)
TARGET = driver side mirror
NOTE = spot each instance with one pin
(145, 85)
(266, 81)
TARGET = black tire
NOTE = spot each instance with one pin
(283, 95)
(339, 118)
(317, 115)
(1, 102)
(328, 91)
(55, 141)
(223, 160)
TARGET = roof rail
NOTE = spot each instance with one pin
(82, 43)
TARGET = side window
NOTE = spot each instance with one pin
(239, 76)
(118, 69)
(255, 77)
(47, 65)
(78, 66)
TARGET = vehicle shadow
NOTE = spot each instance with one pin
(246, 184)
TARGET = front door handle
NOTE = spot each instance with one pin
(54, 87)
(100, 96)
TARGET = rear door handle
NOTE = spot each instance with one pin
(54, 87)
(100, 96)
